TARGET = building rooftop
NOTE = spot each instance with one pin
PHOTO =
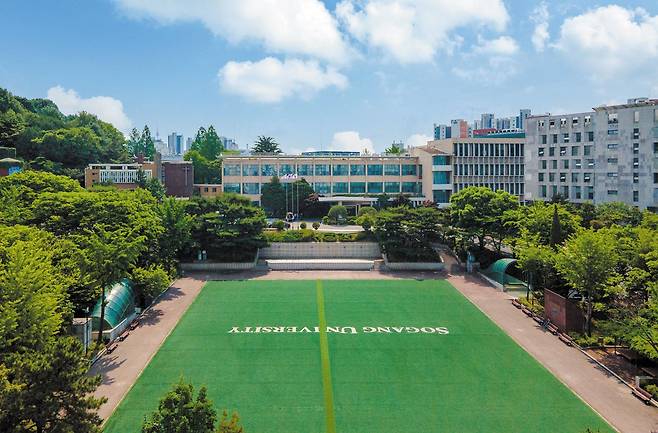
(632, 103)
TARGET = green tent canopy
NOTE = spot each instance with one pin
(498, 272)
(120, 303)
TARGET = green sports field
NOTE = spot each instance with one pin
(399, 356)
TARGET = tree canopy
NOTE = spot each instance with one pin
(265, 144)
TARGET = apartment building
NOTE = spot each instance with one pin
(608, 154)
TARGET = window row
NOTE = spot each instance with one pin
(270, 170)
(575, 177)
(488, 149)
(489, 169)
(576, 192)
(325, 188)
(575, 164)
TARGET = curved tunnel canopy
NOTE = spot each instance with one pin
(120, 303)
(498, 272)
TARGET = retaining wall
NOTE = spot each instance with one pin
(321, 250)
(411, 266)
(218, 267)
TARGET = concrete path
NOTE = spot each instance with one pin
(603, 392)
(120, 369)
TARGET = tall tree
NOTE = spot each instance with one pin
(208, 143)
(108, 257)
(586, 262)
(177, 229)
(265, 144)
(395, 149)
(556, 229)
(146, 143)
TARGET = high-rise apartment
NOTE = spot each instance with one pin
(608, 154)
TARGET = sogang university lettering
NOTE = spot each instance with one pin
(437, 330)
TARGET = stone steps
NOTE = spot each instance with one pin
(320, 264)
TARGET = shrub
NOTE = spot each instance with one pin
(279, 225)
(316, 225)
(366, 224)
(337, 214)
(290, 236)
(149, 282)
(366, 210)
(302, 226)
(653, 389)
(325, 220)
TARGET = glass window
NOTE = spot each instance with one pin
(613, 146)
(590, 136)
(554, 139)
(267, 170)
(554, 163)
(587, 177)
(543, 164)
(232, 187)
(409, 170)
(636, 196)
(577, 192)
(590, 193)
(540, 177)
(441, 196)
(590, 163)
(441, 177)
(441, 160)
(340, 169)
(540, 151)
(587, 150)
(612, 192)
(250, 170)
(392, 169)
(409, 187)
(357, 187)
(543, 139)
(563, 151)
(392, 187)
(322, 187)
(543, 191)
(358, 170)
(579, 137)
(575, 150)
(574, 177)
(251, 188)
(613, 160)
(375, 170)
(305, 170)
(636, 177)
(551, 177)
(636, 116)
(551, 151)
(565, 163)
(231, 169)
(321, 170)
(286, 169)
(375, 188)
(576, 163)
(340, 188)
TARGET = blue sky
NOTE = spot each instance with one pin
(343, 74)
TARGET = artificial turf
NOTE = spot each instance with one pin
(474, 379)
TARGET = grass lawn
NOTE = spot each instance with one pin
(469, 377)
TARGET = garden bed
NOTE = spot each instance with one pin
(308, 235)
(414, 266)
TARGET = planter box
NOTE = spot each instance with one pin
(413, 266)
(218, 266)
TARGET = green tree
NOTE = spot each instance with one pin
(406, 234)
(586, 262)
(395, 149)
(556, 229)
(134, 143)
(44, 386)
(479, 212)
(337, 214)
(177, 233)
(149, 282)
(208, 144)
(229, 227)
(205, 170)
(156, 188)
(265, 144)
(108, 257)
(617, 213)
(537, 219)
(537, 261)
(278, 198)
(147, 145)
(180, 411)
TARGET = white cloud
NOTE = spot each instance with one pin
(412, 31)
(303, 27)
(351, 141)
(540, 35)
(416, 140)
(611, 41)
(502, 46)
(271, 80)
(495, 71)
(106, 108)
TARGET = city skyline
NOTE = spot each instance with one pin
(336, 83)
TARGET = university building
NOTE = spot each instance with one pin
(608, 154)
(431, 172)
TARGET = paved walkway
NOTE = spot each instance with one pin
(120, 369)
(602, 391)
